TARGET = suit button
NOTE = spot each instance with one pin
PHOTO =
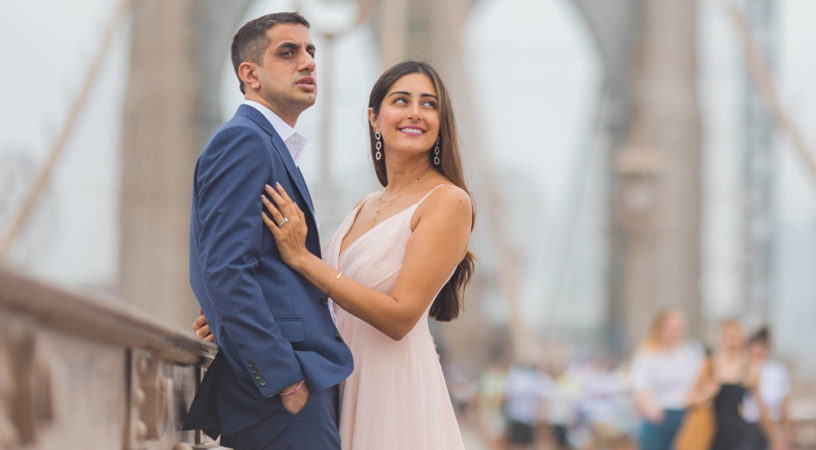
(258, 376)
(324, 300)
(251, 363)
(262, 382)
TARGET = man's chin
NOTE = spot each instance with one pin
(307, 99)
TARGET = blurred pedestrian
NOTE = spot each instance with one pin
(561, 410)
(525, 396)
(664, 370)
(492, 384)
(774, 392)
(604, 406)
(727, 381)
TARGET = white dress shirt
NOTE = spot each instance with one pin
(295, 142)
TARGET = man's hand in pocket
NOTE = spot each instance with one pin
(295, 402)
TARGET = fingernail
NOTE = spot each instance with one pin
(278, 185)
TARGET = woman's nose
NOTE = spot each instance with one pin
(415, 112)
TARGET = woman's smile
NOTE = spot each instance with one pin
(412, 131)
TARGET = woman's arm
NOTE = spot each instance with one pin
(705, 388)
(437, 245)
(644, 400)
(645, 404)
(788, 430)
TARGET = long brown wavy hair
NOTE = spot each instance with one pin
(447, 304)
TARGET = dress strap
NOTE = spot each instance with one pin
(430, 192)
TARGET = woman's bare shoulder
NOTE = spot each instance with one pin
(449, 194)
(448, 201)
(362, 201)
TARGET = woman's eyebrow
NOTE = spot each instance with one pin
(409, 94)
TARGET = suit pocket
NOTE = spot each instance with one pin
(292, 329)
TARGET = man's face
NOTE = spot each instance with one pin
(287, 71)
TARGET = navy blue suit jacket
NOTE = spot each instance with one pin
(271, 325)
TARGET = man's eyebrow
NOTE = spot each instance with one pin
(288, 46)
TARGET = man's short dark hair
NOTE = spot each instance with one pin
(251, 41)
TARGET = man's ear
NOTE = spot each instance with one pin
(248, 73)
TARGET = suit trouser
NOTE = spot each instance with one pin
(313, 427)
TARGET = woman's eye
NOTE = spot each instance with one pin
(429, 104)
(400, 100)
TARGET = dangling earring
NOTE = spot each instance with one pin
(436, 154)
(378, 145)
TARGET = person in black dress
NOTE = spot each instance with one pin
(733, 377)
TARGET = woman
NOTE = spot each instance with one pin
(664, 370)
(400, 256)
(725, 381)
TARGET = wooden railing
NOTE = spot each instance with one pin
(81, 371)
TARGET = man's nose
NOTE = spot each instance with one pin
(307, 62)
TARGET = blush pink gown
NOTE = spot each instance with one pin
(396, 398)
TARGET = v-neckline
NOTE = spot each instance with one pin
(356, 213)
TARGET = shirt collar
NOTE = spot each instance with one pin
(295, 142)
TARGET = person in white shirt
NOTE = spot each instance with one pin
(525, 396)
(663, 372)
(774, 392)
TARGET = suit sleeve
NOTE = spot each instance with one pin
(229, 181)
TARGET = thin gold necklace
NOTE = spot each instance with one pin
(382, 204)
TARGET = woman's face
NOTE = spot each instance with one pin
(673, 329)
(732, 337)
(409, 115)
(758, 351)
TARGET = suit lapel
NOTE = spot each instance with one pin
(283, 152)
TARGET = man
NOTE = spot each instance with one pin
(273, 382)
